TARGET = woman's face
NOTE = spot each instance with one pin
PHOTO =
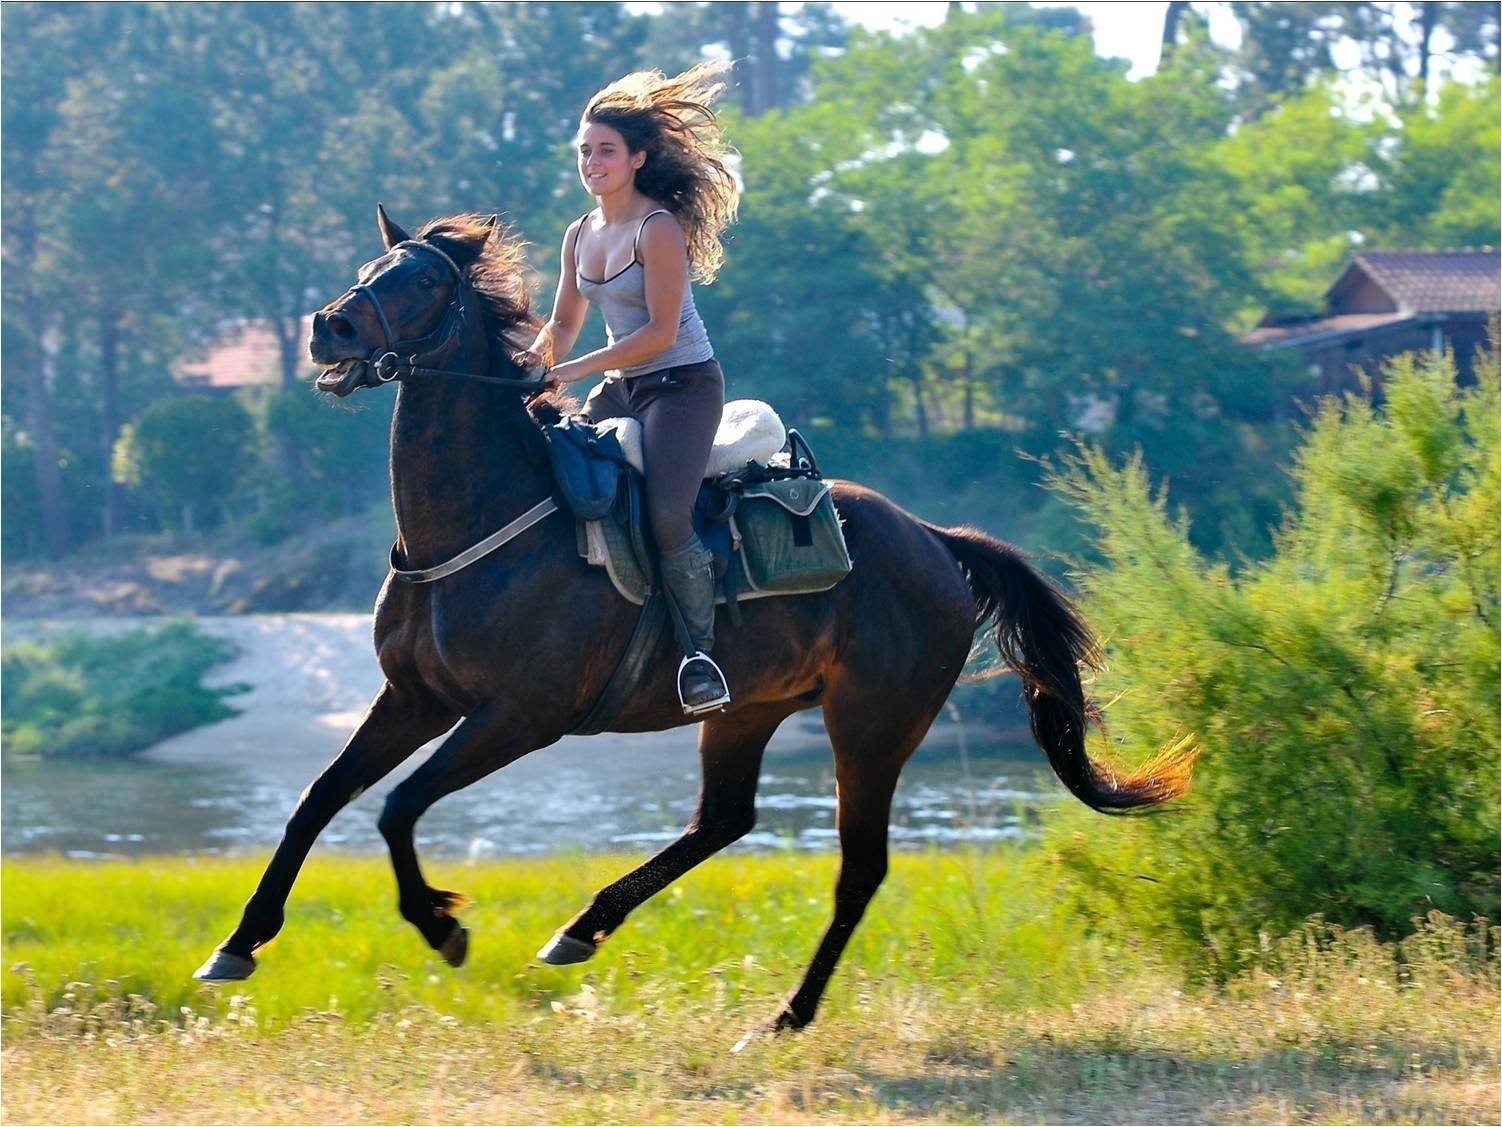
(606, 165)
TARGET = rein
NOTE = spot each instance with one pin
(546, 507)
(386, 362)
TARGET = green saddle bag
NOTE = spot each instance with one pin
(789, 536)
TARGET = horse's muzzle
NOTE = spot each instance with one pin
(346, 376)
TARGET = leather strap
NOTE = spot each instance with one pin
(651, 623)
(427, 575)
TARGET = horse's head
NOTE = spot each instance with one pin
(408, 301)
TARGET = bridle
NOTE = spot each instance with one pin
(386, 362)
(386, 359)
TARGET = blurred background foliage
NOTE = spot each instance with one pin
(956, 242)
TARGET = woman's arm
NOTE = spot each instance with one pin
(664, 257)
(560, 332)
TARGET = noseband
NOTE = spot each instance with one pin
(386, 360)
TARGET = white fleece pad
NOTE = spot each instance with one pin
(750, 431)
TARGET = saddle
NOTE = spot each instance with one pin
(763, 511)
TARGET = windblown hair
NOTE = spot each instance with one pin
(670, 120)
(499, 275)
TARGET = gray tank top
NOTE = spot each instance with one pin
(622, 297)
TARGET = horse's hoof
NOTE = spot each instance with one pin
(225, 967)
(784, 1020)
(563, 950)
(456, 946)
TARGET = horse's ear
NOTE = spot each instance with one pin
(391, 234)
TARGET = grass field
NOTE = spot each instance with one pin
(967, 996)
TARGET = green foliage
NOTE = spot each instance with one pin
(78, 696)
(341, 452)
(189, 451)
(1441, 179)
(1343, 692)
(979, 226)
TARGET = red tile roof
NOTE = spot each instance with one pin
(246, 356)
(1463, 280)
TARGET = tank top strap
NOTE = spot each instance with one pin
(579, 234)
(636, 242)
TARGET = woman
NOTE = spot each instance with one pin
(650, 151)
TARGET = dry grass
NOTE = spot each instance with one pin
(1334, 1029)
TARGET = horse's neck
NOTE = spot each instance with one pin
(465, 459)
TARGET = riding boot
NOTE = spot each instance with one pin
(688, 576)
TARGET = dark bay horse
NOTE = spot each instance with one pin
(516, 648)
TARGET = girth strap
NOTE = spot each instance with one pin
(427, 575)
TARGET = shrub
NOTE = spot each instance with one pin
(189, 453)
(1343, 693)
(83, 697)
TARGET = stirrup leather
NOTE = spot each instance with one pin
(714, 705)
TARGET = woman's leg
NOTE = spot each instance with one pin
(680, 412)
(608, 400)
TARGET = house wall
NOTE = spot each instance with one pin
(1359, 294)
(1335, 364)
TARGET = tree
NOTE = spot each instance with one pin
(189, 453)
(1343, 693)
(34, 89)
(1437, 177)
(771, 45)
(1287, 46)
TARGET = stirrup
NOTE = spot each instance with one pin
(714, 705)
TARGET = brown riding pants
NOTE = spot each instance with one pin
(679, 410)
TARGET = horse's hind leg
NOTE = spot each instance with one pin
(873, 732)
(730, 750)
(397, 723)
(486, 741)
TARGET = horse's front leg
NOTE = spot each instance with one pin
(486, 741)
(398, 722)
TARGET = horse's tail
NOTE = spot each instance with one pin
(1043, 638)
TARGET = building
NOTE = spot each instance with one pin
(247, 355)
(1391, 301)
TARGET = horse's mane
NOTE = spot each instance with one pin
(499, 275)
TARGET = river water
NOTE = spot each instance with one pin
(557, 799)
(228, 787)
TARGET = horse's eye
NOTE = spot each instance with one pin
(427, 281)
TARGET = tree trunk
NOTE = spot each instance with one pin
(738, 34)
(766, 56)
(109, 414)
(967, 375)
(921, 410)
(39, 397)
(288, 457)
(1428, 17)
(1171, 18)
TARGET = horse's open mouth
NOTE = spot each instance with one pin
(341, 378)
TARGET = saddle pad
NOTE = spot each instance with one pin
(750, 431)
(791, 544)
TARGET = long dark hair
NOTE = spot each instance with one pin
(670, 120)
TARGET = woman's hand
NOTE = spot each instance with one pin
(527, 359)
(570, 372)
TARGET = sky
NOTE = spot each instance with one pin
(1130, 29)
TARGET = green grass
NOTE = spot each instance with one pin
(966, 995)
